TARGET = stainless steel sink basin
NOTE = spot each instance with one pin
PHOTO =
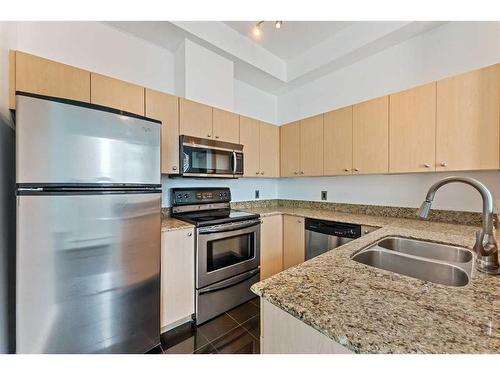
(437, 263)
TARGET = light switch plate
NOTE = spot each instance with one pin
(323, 195)
(257, 194)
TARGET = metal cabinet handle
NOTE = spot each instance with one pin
(174, 168)
(356, 169)
(262, 173)
(301, 172)
(346, 169)
(257, 172)
(209, 135)
(443, 164)
(216, 137)
(295, 172)
(190, 234)
(427, 166)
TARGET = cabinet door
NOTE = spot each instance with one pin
(290, 149)
(250, 139)
(177, 276)
(412, 131)
(226, 126)
(293, 241)
(338, 142)
(45, 77)
(111, 92)
(165, 108)
(311, 146)
(269, 150)
(195, 119)
(271, 246)
(467, 135)
(370, 124)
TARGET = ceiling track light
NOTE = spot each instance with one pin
(257, 29)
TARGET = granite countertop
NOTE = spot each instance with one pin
(369, 310)
(169, 223)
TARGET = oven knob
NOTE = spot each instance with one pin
(186, 196)
(220, 194)
(179, 196)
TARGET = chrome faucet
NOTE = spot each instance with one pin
(486, 244)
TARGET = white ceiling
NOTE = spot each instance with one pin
(293, 38)
(282, 60)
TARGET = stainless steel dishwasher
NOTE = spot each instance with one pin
(324, 235)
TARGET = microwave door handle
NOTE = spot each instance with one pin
(234, 162)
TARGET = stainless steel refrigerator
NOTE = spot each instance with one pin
(88, 228)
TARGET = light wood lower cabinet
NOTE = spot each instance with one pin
(412, 135)
(370, 123)
(41, 76)
(114, 93)
(338, 142)
(165, 108)
(226, 126)
(293, 241)
(271, 246)
(195, 119)
(311, 146)
(467, 135)
(290, 149)
(177, 277)
(282, 333)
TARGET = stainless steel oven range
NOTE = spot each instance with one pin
(227, 248)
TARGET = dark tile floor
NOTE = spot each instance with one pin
(236, 331)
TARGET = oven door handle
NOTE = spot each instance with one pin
(229, 283)
(228, 228)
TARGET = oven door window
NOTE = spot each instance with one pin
(228, 251)
(205, 160)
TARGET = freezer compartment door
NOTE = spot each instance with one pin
(88, 273)
(60, 143)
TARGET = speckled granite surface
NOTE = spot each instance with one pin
(169, 223)
(455, 217)
(369, 310)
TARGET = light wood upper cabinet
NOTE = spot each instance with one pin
(250, 139)
(370, 124)
(468, 121)
(293, 241)
(37, 75)
(177, 277)
(311, 146)
(338, 142)
(412, 135)
(195, 119)
(269, 136)
(290, 149)
(271, 246)
(165, 108)
(226, 126)
(114, 93)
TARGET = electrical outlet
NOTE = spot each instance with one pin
(257, 194)
(323, 195)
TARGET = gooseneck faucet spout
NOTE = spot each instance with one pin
(486, 243)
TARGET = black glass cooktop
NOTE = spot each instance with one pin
(211, 217)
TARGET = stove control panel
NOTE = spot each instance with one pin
(184, 196)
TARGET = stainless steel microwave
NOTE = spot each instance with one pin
(208, 158)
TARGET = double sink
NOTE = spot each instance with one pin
(428, 261)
